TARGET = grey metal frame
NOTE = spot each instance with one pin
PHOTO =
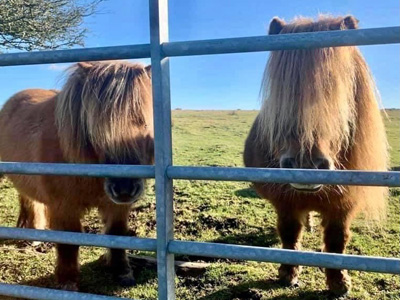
(164, 172)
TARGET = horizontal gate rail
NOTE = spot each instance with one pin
(293, 257)
(391, 179)
(358, 37)
(75, 55)
(307, 258)
(277, 175)
(30, 292)
(77, 238)
(371, 36)
(91, 170)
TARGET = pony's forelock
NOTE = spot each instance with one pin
(308, 95)
(100, 106)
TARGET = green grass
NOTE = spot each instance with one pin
(393, 132)
(227, 212)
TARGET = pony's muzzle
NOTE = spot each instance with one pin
(124, 190)
(320, 163)
(306, 187)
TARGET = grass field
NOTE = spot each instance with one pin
(225, 212)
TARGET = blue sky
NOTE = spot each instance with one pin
(230, 81)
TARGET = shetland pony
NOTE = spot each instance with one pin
(319, 111)
(103, 114)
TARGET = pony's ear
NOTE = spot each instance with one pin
(349, 22)
(148, 70)
(276, 25)
(85, 65)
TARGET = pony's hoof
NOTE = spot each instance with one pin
(290, 280)
(340, 288)
(289, 276)
(297, 284)
(70, 286)
(126, 280)
(293, 283)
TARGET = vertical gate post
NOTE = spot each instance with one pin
(163, 147)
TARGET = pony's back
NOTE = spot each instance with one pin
(28, 134)
(28, 116)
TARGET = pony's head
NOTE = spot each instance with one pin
(308, 117)
(104, 114)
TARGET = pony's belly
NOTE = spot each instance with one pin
(26, 185)
(74, 192)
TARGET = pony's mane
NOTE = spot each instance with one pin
(310, 94)
(99, 107)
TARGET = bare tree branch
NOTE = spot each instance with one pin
(43, 24)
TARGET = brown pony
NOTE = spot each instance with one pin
(103, 114)
(319, 112)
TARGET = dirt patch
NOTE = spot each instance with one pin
(189, 227)
(220, 224)
(204, 207)
(394, 192)
(250, 294)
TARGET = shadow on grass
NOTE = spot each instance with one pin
(310, 295)
(255, 290)
(248, 290)
(247, 193)
(96, 279)
(262, 237)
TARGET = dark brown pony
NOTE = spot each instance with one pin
(103, 114)
(319, 112)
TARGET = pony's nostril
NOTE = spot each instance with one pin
(113, 190)
(323, 164)
(134, 190)
(137, 190)
(288, 163)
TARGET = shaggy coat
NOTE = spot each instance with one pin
(319, 111)
(103, 114)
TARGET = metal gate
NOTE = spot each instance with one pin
(164, 171)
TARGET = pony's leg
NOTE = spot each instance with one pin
(32, 214)
(25, 213)
(336, 236)
(289, 229)
(67, 265)
(116, 223)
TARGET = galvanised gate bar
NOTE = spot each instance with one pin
(164, 172)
